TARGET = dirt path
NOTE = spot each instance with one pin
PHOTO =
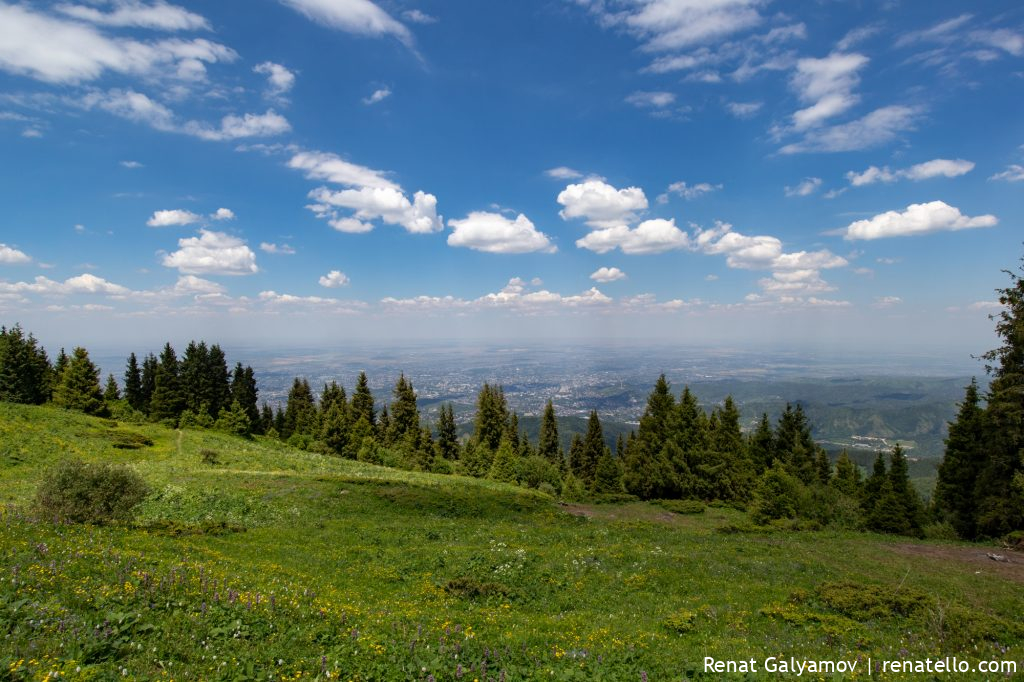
(969, 557)
(180, 435)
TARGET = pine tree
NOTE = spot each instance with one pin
(111, 393)
(824, 466)
(405, 417)
(762, 445)
(333, 393)
(383, 429)
(576, 455)
(592, 449)
(658, 418)
(548, 445)
(692, 429)
(167, 401)
(607, 475)
(910, 501)
(245, 393)
(196, 390)
(150, 366)
(794, 444)
(79, 385)
(847, 476)
(300, 415)
(964, 458)
(133, 384)
(503, 468)
(335, 430)
(59, 365)
(447, 433)
(266, 419)
(512, 430)
(25, 373)
(491, 416)
(362, 402)
(648, 475)
(873, 486)
(217, 381)
(234, 420)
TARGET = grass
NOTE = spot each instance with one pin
(280, 564)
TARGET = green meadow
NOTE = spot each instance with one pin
(250, 560)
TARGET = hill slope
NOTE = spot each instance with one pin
(329, 568)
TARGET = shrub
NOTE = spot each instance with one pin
(129, 440)
(210, 457)
(80, 492)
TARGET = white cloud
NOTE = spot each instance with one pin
(934, 216)
(948, 168)
(130, 13)
(827, 86)
(986, 305)
(350, 225)
(607, 274)
(234, 127)
(494, 233)
(887, 301)
(276, 301)
(1013, 173)
(279, 79)
(212, 253)
(806, 188)
(12, 256)
(190, 284)
(650, 236)
(888, 261)
(563, 173)
(332, 168)
(334, 279)
(1002, 38)
(874, 129)
(55, 50)
(600, 204)
(744, 109)
(361, 17)
(418, 17)
(223, 214)
(277, 249)
(378, 95)
(710, 278)
(651, 100)
(80, 284)
(795, 283)
(760, 252)
(513, 296)
(172, 217)
(688, 192)
(673, 24)
(32, 133)
(132, 164)
(385, 203)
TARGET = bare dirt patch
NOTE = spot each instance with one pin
(970, 557)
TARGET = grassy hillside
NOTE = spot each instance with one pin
(281, 564)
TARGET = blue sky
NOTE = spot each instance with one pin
(738, 171)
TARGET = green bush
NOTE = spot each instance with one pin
(80, 492)
(210, 457)
(129, 440)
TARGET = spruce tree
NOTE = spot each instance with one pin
(762, 445)
(607, 475)
(548, 445)
(910, 501)
(873, 485)
(59, 365)
(492, 416)
(217, 381)
(196, 389)
(576, 464)
(384, 427)
(503, 468)
(167, 401)
(592, 450)
(245, 393)
(25, 373)
(150, 366)
(847, 476)
(646, 474)
(111, 393)
(335, 430)
(964, 458)
(657, 421)
(362, 402)
(405, 417)
(300, 415)
(79, 385)
(133, 384)
(234, 420)
(447, 433)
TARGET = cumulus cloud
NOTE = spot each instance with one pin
(516, 295)
(650, 236)
(236, 127)
(173, 217)
(378, 95)
(1013, 173)
(600, 204)
(223, 214)
(806, 188)
(384, 203)
(934, 216)
(334, 279)
(949, 168)
(687, 192)
(874, 129)
(190, 285)
(795, 283)
(280, 80)
(360, 17)
(607, 274)
(81, 284)
(132, 165)
(129, 13)
(275, 249)
(212, 253)
(12, 256)
(275, 301)
(495, 233)
(826, 85)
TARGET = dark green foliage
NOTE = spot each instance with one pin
(447, 433)
(234, 420)
(111, 392)
(133, 384)
(873, 486)
(847, 479)
(776, 496)
(245, 393)
(548, 445)
(167, 401)
(648, 474)
(535, 471)
(25, 375)
(794, 444)
(955, 499)
(335, 432)
(762, 446)
(492, 417)
(607, 475)
(405, 417)
(150, 367)
(383, 430)
(78, 388)
(504, 468)
(584, 457)
(897, 508)
(79, 492)
(300, 412)
(129, 440)
(362, 402)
